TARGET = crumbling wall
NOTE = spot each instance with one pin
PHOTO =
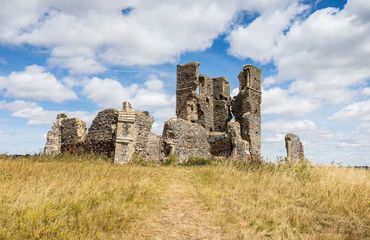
(148, 145)
(101, 136)
(186, 87)
(53, 138)
(220, 144)
(201, 99)
(73, 134)
(239, 146)
(202, 127)
(204, 101)
(294, 148)
(185, 139)
(221, 104)
(246, 107)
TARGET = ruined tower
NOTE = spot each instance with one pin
(186, 87)
(246, 107)
(201, 99)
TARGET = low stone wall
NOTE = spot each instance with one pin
(101, 136)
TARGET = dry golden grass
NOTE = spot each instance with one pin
(287, 202)
(86, 197)
(42, 199)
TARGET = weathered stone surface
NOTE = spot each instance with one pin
(53, 138)
(294, 148)
(148, 145)
(220, 144)
(73, 134)
(126, 135)
(101, 136)
(202, 100)
(185, 139)
(246, 107)
(221, 104)
(239, 146)
(186, 86)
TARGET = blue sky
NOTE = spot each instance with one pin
(82, 57)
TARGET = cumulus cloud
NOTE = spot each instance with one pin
(34, 83)
(37, 115)
(325, 54)
(280, 101)
(358, 110)
(259, 39)
(290, 126)
(86, 36)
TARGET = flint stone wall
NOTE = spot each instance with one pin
(239, 146)
(220, 144)
(73, 134)
(185, 139)
(101, 136)
(201, 99)
(53, 138)
(294, 148)
(246, 107)
(148, 145)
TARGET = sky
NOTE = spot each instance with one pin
(80, 57)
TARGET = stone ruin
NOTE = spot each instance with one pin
(209, 123)
(294, 148)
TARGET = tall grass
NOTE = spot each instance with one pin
(88, 197)
(74, 198)
(282, 201)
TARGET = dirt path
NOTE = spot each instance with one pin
(182, 215)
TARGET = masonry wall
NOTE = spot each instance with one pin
(246, 107)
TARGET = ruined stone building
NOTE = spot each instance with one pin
(208, 123)
(294, 148)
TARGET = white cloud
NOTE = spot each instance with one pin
(86, 36)
(279, 101)
(259, 39)
(359, 110)
(290, 126)
(37, 115)
(366, 91)
(324, 55)
(34, 83)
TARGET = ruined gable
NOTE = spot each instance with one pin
(246, 107)
(201, 99)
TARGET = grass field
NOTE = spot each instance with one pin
(89, 198)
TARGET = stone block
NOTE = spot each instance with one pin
(73, 134)
(101, 136)
(185, 139)
(294, 148)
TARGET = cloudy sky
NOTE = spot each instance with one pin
(79, 57)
